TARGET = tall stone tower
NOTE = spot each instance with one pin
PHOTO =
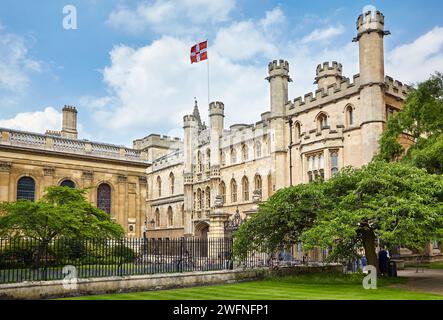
(278, 77)
(370, 37)
(327, 75)
(69, 122)
(216, 127)
(190, 126)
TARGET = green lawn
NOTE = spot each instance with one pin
(431, 265)
(306, 287)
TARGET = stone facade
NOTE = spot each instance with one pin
(169, 186)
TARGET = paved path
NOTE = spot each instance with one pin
(431, 280)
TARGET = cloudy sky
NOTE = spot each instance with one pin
(127, 70)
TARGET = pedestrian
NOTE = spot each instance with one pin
(383, 261)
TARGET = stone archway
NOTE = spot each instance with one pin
(201, 242)
(201, 230)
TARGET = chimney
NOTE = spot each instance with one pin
(69, 124)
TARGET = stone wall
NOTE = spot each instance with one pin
(55, 289)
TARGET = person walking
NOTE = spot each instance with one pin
(383, 261)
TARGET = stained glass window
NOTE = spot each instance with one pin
(104, 197)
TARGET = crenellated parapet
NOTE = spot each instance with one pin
(327, 74)
(216, 108)
(278, 68)
(371, 22)
(69, 108)
(171, 159)
(396, 88)
(156, 140)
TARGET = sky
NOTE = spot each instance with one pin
(126, 65)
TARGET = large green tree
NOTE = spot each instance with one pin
(280, 220)
(422, 119)
(394, 202)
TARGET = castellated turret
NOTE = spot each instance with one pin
(69, 122)
(328, 74)
(216, 115)
(278, 78)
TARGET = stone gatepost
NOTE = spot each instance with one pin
(216, 234)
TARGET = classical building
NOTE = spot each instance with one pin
(172, 187)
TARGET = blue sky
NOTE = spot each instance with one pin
(126, 68)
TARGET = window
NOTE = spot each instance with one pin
(170, 217)
(159, 186)
(208, 159)
(104, 197)
(245, 153)
(316, 167)
(390, 111)
(233, 191)
(349, 115)
(199, 199)
(223, 158)
(199, 161)
(208, 198)
(297, 131)
(222, 191)
(258, 182)
(322, 121)
(26, 189)
(233, 156)
(334, 163)
(157, 218)
(258, 149)
(245, 188)
(68, 183)
(171, 182)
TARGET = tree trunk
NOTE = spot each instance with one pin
(368, 238)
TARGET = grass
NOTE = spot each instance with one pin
(302, 287)
(429, 265)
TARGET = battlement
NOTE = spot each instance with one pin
(396, 88)
(328, 94)
(329, 69)
(278, 65)
(370, 21)
(156, 140)
(216, 107)
(69, 108)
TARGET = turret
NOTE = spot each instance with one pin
(370, 34)
(328, 74)
(216, 115)
(278, 78)
(190, 126)
(69, 122)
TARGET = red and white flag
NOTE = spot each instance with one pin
(199, 52)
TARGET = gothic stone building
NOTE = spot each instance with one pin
(174, 187)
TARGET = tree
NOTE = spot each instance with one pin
(397, 203)
(422, 119)
(62, 211)
(281, 220)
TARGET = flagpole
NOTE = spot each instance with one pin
(207, 60)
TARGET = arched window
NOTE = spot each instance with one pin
(233, 156)
(316, 166)
(245, 152)
(157, 218)
(208, 159)
(171, 182)
(223, 158)
(208, 198)
(199, 199)
(349, 115)
(159, 186)
(26, 189)
(258, 149)
(233, 191)
(322, 121)
(104, 197)
(170, 217)
(245, 188)
(199, 161)
(334, 163)
(68, 183)
(257, 182)
(297, 131)
(222, 191)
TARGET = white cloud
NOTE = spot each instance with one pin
(324, 34)
(95, 102)
(37, 121)
(416, 61)
(15, 63)
(170, 16)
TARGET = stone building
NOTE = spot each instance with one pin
(172, 187)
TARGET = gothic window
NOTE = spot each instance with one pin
(208, 198)
(257, 182)
(245, 187)
(233, 191)
(350, 115)
(322, 121)
(222, 191)
(157, 218)
(199, 161)
(170, 217)
(26, 189)
(159, 186)
(297, 131)
(208, 159)
(104, 197)
(245, 153)
(334, 163)
(316, 167)
(171, 182)
(199, 199)
(223, 158)
(233, 156)
(258, 149)
(68, 183)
